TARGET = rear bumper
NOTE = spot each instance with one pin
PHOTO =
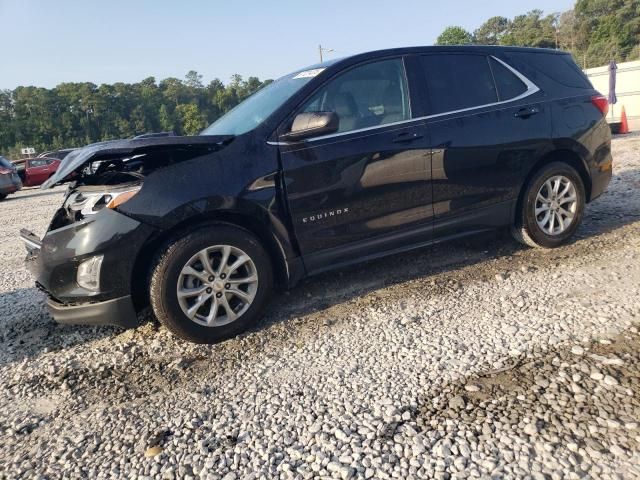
(601, 176)
(119, 312)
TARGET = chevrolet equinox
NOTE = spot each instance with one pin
(340, 162)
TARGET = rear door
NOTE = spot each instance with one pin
(361, 190)
(486, 123)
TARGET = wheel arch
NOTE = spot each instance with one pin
(142, 265)
(564, 155)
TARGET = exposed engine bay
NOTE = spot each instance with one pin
(100, 185)
(109, 174)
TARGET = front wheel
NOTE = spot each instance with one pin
(551, 208)
(211, 284)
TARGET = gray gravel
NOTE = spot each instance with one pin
(475, 359)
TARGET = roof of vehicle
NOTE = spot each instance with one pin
(61, 150)
(448, 48)
(487, 49)
(460, 48)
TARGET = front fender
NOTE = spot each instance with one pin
(219, 187)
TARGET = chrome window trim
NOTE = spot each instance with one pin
(366, 129)
(532, 88)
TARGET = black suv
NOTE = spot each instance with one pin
(340, 162)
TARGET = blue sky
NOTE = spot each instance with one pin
(46, 42)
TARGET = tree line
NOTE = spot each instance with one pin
(76, 114)
(594, 31)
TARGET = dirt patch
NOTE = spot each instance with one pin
(587, 394)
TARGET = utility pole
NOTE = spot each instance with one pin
(321, 50)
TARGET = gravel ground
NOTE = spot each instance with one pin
(476, 359)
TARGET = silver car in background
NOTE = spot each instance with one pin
(9, 180)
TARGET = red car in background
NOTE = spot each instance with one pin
(35, 171)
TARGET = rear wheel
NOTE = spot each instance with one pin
(552, 207)
(211, 284)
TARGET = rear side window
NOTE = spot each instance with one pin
(560, 68)
(458, 81)
(509, 86)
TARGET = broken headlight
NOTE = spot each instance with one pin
(82, 203)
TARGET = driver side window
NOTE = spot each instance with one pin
(366, 96)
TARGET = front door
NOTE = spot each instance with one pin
(357, 191)
(36, 171)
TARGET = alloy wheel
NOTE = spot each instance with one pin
(556, 205)
(217, 285)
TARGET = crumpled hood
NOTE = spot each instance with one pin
(118, 148)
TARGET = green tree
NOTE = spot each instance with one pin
(492, 31)
(532, 30)
(7, 125)
(567, 31)
(454, 36)
(607, 29)
(167, 122)
(173, 90)
(194, 79)
(74, 114)
(192, 121)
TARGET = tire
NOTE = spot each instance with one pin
(527, 228)
(168, 276)
(3, 196)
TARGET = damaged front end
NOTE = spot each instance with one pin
(110, 173)
(85, 260)
(85, 200)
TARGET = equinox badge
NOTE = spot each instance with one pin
(323, 215)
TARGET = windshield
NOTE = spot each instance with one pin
(259, 106)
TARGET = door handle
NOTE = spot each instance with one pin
(406, 137)
(527, 112)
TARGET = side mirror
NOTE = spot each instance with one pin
(312, 124)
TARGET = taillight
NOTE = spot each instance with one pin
(5, 171)
(601, 103)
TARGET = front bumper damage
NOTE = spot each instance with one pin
(119, 312)
(53, 261)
